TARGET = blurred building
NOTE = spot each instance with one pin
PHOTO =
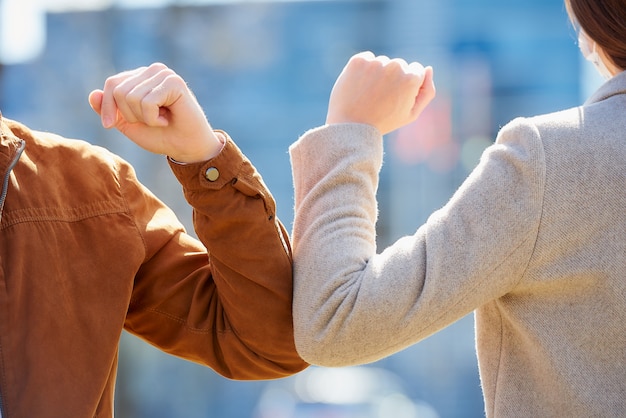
(263, 72)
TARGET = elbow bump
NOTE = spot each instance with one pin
(320, 352)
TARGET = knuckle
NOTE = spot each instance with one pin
(132, 97)
(157, 66)
(174, 80)
(398, 65)
(363, 58)
(112, 82)
(162, 70)
(119, 93)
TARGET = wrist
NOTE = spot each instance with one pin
(215, 144)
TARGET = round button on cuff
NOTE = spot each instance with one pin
(212, 174)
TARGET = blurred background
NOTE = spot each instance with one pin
(263, 71)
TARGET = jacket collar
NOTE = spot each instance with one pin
(11, 146)
(9, 141)
(611, 87)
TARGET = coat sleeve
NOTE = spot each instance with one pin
(225, 302)
(353, 305)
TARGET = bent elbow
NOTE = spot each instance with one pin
(321, 348)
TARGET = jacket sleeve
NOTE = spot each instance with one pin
(353, 305)
(225, 303)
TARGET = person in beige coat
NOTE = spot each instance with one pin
(534, 241)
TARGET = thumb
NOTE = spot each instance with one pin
(426, 94)
(95, 100)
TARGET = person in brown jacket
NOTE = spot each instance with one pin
(86, 251)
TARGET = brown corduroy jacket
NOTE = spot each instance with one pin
(86, 251)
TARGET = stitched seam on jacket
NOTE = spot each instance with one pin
(58, 214)
(497, 378)
(127, 209)
(532, 254)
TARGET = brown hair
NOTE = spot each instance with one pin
(604, 21)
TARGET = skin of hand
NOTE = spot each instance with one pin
(379, 91)
(154, 108)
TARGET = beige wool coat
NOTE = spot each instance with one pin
(534, 242)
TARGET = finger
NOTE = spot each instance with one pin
(95, 100)
(129, 92)
(355, 64)
(368, 55)
(363, 60)
(384, 59)
(156, 104)
(146, 97)
(108, 108)
(398, 63)
(417, 69)
(427, 93)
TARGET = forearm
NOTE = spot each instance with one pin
(249, 253)
(335, 181)
(231, 307)
(352, 305)
(227, 303)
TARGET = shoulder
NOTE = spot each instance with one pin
(57, 144)
(540, 134)
(543, 126)
(56, 160)
(49, 150)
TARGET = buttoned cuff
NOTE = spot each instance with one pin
(211, 174)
